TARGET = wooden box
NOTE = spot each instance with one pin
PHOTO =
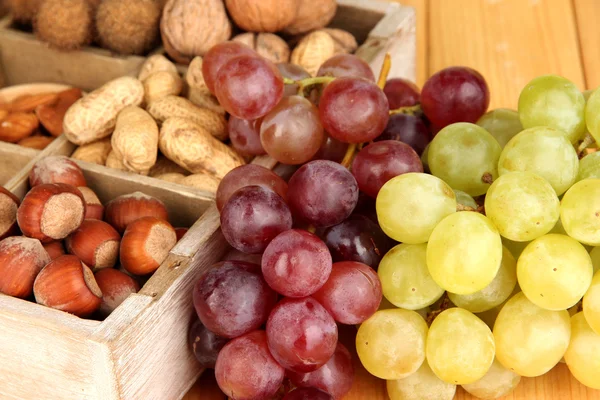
(12, 159)
(141, 351)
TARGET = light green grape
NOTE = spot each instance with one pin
(591, 304)
(464, 252)
(589, 167)
(489, 316)
(530, 340)
(493, 294)
(391, 343)
(592, 115)
(465, 156)
(465, 200)
(554, 271)
(580, 211)
(544, 151)
(409, 206)
(553, 101)
(587, 94)
(425, 158)
(499, 381)
(515, 248)
(582, 355)
(460, 347)
(522, 205)
(595, 256)
(405, 279)
(422, 385)
(503, 124)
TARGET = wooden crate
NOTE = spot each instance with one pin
(25, 59)
(12, 160)
(141, 351)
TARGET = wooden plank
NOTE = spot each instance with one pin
(12, 159)
(509, 41)
(587, 14)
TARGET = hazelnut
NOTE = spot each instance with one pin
(67, 284)
(180, 232)
(264, 15)
(9, 203)
(21, 259)
(96, 243)
(93, 207)
(116, 286)
(56, 169)
(268, 45)
(51, 212)
(125, 209)
(146, 244)
(54, 249)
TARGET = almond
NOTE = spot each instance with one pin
(18, 126)
(36, 142)
(29, 102)
(3, 114)
(51, 116)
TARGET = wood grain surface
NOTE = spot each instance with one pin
(509, 42)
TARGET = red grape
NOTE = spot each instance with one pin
(335, 377)
(245, 136)
(248, 87)
(294, 72)
(292, 132)
(301, 334)
(322, 193)
(246, 370)
(307, 394)
(357, 239)
(346, 65)
(296, 263)
(247, 175)
(379, 162)
(409, 129)
(352, 293)
(205, 344)
(218, 56)
(331, 149)
(236, 255)
(233, 298)
(455, 94)
(252, 217)
(401, 93)
(353, 110)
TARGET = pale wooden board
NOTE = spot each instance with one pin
(587, 13)
(12, 159)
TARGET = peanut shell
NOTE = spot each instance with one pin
(156, 63)
(135, 139)
(161, 84)
(95, 152)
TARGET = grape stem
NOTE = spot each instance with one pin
(307, 82)
(410, 110)
(385, 71)
(311, 229)
(444, 305)
(349, 155)
(586, 142)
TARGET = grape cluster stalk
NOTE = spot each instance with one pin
(461, 242)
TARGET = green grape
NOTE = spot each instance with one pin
(386, 305)
(591, 304)
(544, 151)
(425, 158)
(465, 199)
(582, 355)
(409, 206)
(522, 205)
(503, 124)
(580, 211)
(554, 271)
(592, 115)
(465, 156)
(530, 340)
(499, 381)
(493, 294)
(460, 347)
(589, 167)
(422, 385)
(595, 256)
(405, 279)
(489, 316)
(587, 94)
(515, 248)
(464, 252)
(391, 343)
(553, 101)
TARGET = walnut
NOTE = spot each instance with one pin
(312, 14)
(313, 50)
(263, 15)
(268, 45)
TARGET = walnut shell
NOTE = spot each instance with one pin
(191, 146)
(312, 14)
(345, 42)
(173, 106)
(156, 63)
(161, 84)
(205, 182)
(263, 15)
(94, 116)
(135, 140)
(95, 152)
(165, 166)
(268, 45)
(191, 27)
(313, 50)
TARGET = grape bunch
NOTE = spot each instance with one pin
(460, 242)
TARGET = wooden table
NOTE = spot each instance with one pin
(509, 42)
